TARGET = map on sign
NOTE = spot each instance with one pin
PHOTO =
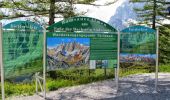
(138, 44)
(22, 48)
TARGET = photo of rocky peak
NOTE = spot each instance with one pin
(63, 53)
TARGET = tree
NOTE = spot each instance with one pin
(164, 54)
(44, 8)
(153, 11)
(38, 8)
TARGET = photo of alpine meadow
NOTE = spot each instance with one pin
(138, 48)
(64, 53)
(22, 58)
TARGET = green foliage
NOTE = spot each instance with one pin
(55, 84)
(40, 8)
(126, 72)
(152, 12)
(19, 89)
(164, 44)
(64, 78)
(164, 68)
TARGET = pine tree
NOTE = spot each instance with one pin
(42, 8)
(164, 44)
(152, 12)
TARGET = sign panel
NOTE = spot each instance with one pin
(92, 64)
(22, 48)
(103, 48)
(75, 50)
(100, 37)
(138, 44)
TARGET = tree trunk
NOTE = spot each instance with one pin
(154, 16)
(52, 12)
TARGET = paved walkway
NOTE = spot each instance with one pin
(133, 87)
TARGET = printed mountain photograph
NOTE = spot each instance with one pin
(64, 53)
(138, 48)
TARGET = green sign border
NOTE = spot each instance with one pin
(82, 24)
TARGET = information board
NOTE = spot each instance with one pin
(68, 50)
(73, 42)
(138, 44)
(22, 48)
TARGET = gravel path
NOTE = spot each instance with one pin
(133, 87)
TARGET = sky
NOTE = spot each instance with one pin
(92, 11)
(53, 42)
(103, 13)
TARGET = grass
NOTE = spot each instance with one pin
(55, 84)
(132, 71)
(19, 89)
(67, 78)
(164, 68)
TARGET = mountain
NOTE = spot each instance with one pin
(119, 14)
(66, 55)
(124, 15)
(116, 14)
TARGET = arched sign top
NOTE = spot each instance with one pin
(135, 29)
(81, 24)
(23, 25)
